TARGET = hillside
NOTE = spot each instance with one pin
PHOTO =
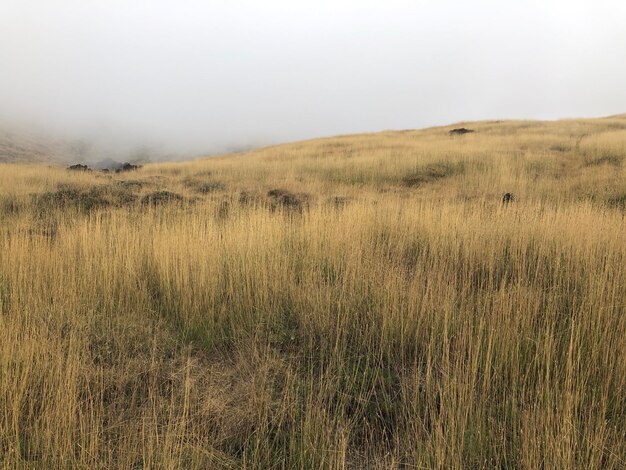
(18, 146)
(361, 301)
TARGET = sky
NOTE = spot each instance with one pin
(196, 77)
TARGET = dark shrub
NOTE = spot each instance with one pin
(339, 202)
(127, 167)
(66, 197)
(87, 199)
(606, 159)
(248, 198)
(508, 198)
(460, 131)
(617, 202)
(432, 172)
(205, 187)
(78, 167)
(132, 184)
(162, 197)
(10, 205)
(223, 210)
(288, 201)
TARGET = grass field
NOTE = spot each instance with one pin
(351, 302)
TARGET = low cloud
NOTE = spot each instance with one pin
(190, 78)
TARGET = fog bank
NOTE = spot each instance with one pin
(188, 78)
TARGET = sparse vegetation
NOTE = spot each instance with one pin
(84, 198)
(607, 159)
(424, 325)
(161, 197)
(432, 172)
(204, 187)
(288, 201)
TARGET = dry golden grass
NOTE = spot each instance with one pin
(382, 310)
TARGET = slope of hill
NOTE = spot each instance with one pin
(570, 160)
(366, 301)
(23, 147)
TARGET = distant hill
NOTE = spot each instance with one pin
(22, 145)
(25, 147)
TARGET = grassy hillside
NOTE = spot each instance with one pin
(18, 146)
(347, 302)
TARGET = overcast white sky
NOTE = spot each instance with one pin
(200, 75)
